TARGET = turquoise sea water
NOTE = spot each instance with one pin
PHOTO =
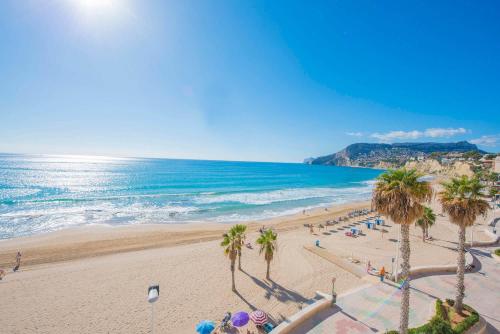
(41, 193)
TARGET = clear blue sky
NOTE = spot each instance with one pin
(245, 80)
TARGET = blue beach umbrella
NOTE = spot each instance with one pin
(205, 327)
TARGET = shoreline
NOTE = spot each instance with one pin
(99, 240)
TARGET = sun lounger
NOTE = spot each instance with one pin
(268, 327)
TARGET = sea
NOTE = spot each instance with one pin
(43, 193)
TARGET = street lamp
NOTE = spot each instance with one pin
(334, 295)
(153, 295)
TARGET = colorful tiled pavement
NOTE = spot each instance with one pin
(376, 307)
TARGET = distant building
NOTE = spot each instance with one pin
(487, 163)
(496, 164)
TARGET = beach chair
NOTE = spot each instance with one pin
(268, 327)
(226, 321)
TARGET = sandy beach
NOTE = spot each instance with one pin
(94, 279)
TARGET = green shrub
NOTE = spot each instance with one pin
(439, 324)
(468, 322)
(497, 251)
(440, 310)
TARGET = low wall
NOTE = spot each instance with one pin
(480, 327)
(493, 240)
(292, 322)
(434, 269)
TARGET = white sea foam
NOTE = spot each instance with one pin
(285, 195)
(17, 192)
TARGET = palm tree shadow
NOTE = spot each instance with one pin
(252, 307)
(277, 291)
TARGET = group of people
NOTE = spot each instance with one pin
(16, 267)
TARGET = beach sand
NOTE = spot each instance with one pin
(95, 279)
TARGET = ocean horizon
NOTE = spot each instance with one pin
(44, 193)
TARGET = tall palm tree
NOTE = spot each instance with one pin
(426, 221)
(231, 243)
(268, 245)
(398, 194)
(240, 230)
(461, 198)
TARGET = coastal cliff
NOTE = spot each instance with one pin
(390, 155)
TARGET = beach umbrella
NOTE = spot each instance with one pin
(240, 319)
(205, 327)
(258, 317)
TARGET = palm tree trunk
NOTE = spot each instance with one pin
(405, 271)
(423, 234)
(232, 275)
(239, 259)
(268, 269)
(459, 299)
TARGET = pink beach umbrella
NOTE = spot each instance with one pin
(258, 317)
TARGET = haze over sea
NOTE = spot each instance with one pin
(41, 193)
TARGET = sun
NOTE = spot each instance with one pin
(96, 6)
(101, 16)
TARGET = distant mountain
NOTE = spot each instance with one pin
(379, 155)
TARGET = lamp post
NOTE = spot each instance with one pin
(334, 295)
(153, 295)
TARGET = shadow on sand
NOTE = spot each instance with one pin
(277, 291)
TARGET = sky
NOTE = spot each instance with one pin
(245, 80)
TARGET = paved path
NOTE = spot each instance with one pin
(482, 287)
(376, 308)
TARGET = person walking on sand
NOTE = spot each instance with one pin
(382, 274)
(2, 274)
(368, 267)
(18, 262)
(311, 228)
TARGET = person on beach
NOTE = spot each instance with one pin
(382, 274)
(18, 262)
(311, 228)
(368, 267)
(2, 274)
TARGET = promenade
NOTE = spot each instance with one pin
(375, 308)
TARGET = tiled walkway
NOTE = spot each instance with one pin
(376, 308)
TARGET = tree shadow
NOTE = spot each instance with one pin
(445, 247)
(273, 289)
(332, 231)
(424, 292)
(479, 253)
(327, 233)
(253, 308)
(392, 240)
(448, 241)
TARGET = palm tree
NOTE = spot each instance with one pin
(231, 243)
(240, 230)
(462, 200)
(268, 245)
(398, 194)
(426, 221)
